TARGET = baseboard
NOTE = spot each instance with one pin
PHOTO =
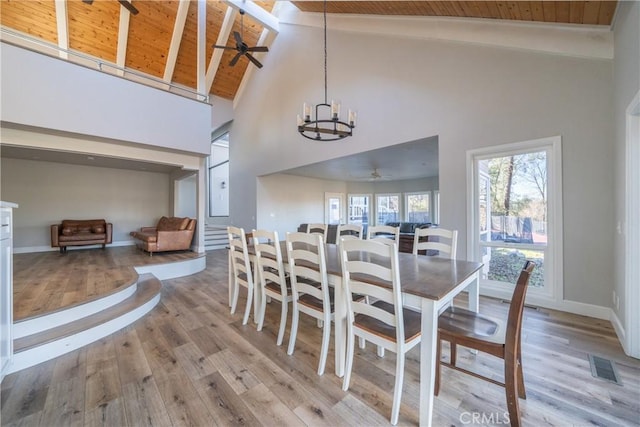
(618, 326)
(583, 309)
(32, 249)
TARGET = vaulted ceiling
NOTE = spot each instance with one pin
(162, 39)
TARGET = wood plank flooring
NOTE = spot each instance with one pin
(45, 282)
(190, 362)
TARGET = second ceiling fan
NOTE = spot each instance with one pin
(242, 48)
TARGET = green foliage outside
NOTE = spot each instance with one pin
(506, 264)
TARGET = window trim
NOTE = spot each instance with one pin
(350, 195)
(399, 195)
(554, 292)
(417, 193)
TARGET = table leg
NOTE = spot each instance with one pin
(429, 329)
(474, 294)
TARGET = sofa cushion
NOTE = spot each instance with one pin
(97, 229)
(172, 224)
(67, 231)
(83, 237)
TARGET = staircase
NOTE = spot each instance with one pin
(45, 337)
(215, 237)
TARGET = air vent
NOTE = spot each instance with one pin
(604, 368)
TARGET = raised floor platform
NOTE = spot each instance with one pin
(65, 301)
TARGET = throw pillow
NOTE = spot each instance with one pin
(97, 229)
(67, 231)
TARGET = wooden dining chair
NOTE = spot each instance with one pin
(384, 322)
(310, 287)
(241, 269)
(384, 233)
(349, 231)
(473, 330)
(272, 280)
(449, 246)
(321, 229)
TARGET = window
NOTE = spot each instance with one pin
(359, 209)
(387, 208)
(218, 162)
(418, 206)
(515, 217)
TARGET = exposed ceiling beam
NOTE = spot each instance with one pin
(174, 47)
(63, 29)
(223, 36)
(123, 39)
(265, 18)
(201, 48)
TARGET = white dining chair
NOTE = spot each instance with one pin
(272, 279)
(310, 287)
(349, 231)
(384, 233)
(240, 268)
(385, 322)
(318, 228)
(448, 245)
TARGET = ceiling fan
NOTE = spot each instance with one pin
(126, 4)
(374, 176)
(242, 47)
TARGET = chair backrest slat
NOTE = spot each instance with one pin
(379, 262)
(349, 231)
(450, 247)
(384, 233)
(307, 262)
(516, 308)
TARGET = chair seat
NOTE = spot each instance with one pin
(315, 303)
(275, 287)
(472, 325)
(377, 327)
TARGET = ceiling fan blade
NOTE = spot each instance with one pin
(258, 49)
(254, 60)
(128, 6)
(235, 59)
(236, 35)
(223, 47)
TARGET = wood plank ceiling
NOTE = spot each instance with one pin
(95, 29)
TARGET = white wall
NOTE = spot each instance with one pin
(626, 68)
(186, 197)
(49, 192)
(49, 93)
(286, 201)
(469, 96)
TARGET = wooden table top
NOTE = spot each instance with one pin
(424, 276)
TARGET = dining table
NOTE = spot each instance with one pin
(428, 284)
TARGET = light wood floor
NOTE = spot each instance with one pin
(189, 362)
(49, 281)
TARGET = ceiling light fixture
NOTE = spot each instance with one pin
(329, 128)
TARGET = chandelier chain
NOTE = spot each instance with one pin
(325, 52)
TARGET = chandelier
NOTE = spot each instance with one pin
(326, 124)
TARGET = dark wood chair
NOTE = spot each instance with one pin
(473, 330)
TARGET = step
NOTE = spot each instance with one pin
(42, 346)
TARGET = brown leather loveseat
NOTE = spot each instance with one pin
(170, 234)
(74, 232)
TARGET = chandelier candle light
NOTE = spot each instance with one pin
(329, 128)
